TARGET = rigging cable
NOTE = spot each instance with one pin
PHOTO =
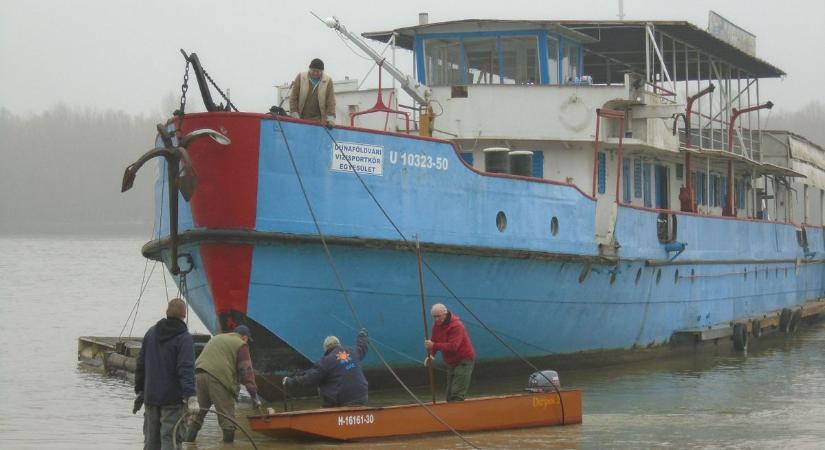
(231, 419)
(345, 293)
(440, 280)
(144, 282)
(160, 221)
(364, 80)
(341, 37)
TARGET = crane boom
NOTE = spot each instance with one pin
(419, 92)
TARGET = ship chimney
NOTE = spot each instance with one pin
(423, 18)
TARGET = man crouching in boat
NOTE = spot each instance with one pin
(451, 339)
(338, 374)
(313, 95)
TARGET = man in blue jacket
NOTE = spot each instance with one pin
(338, 374)
(165, 377)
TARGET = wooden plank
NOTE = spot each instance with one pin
(766, 320)
(813, 308)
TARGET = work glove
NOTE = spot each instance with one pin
(138, 403)
(362, 332)
(192, 405)
(330, 122)
(277, 111)
(285, 381)
(256, 401)
(294, 115)
(428, 360)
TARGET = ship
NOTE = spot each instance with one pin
(574, 187)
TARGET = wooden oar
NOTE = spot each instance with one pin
(424, 315)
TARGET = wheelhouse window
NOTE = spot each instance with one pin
(482, 58)
(571, 63)
(520, 59)
(443, 61)
(552, 61)
(483, 63)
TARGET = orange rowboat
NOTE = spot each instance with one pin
(476, 414)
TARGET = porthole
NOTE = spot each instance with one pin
(584, 272)
(501, 221)
(638, 275)
(676, 276)
(554, 226)
(658, 275)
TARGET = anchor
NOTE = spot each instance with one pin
(180, 173)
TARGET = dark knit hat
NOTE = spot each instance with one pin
(316, 64)
(243, 330)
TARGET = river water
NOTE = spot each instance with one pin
(54, 289)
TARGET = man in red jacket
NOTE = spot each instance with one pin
(450, 338)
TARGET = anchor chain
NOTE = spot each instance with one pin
(229, 103)
(183, 88)
(183, 292)
(183, 287)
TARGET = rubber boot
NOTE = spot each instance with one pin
(229, 435)
(191, 434)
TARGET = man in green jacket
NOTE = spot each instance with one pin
(223, 365)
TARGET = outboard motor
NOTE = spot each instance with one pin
(541, 381)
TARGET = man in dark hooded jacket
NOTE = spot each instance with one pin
(338, 374)
(165, 377)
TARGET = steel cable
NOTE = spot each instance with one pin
(440, 280)
(346, 294)
(144, 282)
(231, 419)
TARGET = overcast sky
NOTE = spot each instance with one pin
(123, 55)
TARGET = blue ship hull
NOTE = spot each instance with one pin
(544, 293)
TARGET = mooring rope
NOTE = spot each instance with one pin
(432, 271)
(231, 419)
(346, 294)
(144, 281)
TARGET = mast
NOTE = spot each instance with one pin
(419, 92)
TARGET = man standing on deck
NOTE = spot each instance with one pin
(685, 200)
(338, 374)
(450, 338)
(313, 95)
(222, 366)
(165, 377)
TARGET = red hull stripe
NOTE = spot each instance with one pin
(226, 197)
(228, 268)
(227, 189)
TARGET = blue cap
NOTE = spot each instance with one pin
(243, 330)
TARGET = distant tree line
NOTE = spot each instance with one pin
(61, 170)
(809, 121)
